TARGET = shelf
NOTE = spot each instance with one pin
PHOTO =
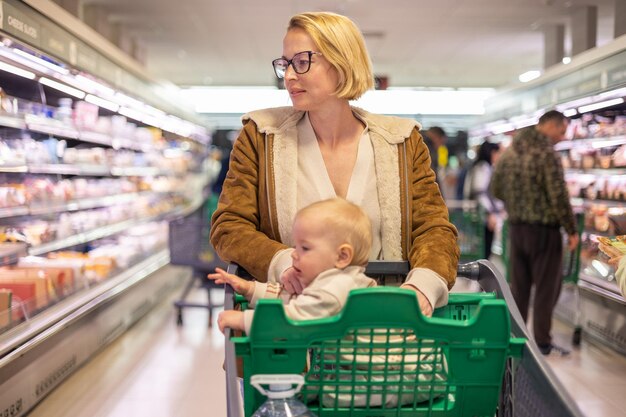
(86, 170)
(55, 128)
(586, 202)
(86, 203)
(10, 121)
(110, 230)
(595, 143)
(14, 211)
(596, 171)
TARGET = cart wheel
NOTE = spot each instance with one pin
(179, 318)
(577, 336)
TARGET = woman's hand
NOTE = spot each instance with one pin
(613, 253)
(423, 302)
(290, 281)
(231, 319)
(240, 285)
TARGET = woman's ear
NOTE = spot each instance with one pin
(345, 253)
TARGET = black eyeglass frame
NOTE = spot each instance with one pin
(290, 62)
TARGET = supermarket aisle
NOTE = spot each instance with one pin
(156, 369)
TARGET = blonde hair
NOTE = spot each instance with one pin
(341, 42)
(346, 222)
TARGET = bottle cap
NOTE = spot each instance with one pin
(280, 385)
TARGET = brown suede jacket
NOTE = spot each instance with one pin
(258, 203)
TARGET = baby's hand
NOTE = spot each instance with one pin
(240, 285)
(423, 302)
(290, 281)
(231, 319)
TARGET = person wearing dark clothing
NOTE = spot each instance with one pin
(529, 180)
(476, 187)
(434, 138)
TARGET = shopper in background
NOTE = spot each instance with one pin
(435, 140)
(529, 180)
(321, 147)
(618, 260)
(332, 241)
(476, 188)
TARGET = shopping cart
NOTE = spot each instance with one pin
(477, 367)
(571, 269)
(468, 218)
(189, 246)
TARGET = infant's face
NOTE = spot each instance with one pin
(315, 251)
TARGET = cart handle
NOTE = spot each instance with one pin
(233, 404)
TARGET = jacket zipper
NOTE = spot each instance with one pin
(267, 185)
(406, 196)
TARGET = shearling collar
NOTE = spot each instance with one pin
(276, 120)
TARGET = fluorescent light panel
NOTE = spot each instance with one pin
(105, 104)
(41, 61)
(600, 105)
(17, 71)
(62, 87)
(94, 85)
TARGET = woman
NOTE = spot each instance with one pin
(321, 147)
(477, 188)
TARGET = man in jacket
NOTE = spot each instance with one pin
(529, 180)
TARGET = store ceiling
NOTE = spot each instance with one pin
(456, 43)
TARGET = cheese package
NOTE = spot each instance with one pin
(617, 242)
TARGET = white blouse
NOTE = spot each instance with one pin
(313, 183)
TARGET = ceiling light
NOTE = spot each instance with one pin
(17, 71)
(62, 87)
(566, 60)
(41, 61)
(529, 76)
(600, 105)
(570, 112)
(105, 104)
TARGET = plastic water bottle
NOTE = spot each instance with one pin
(281, 400)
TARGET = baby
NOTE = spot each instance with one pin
(332, 241)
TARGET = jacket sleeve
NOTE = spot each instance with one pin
(236, 224)
(558, 196)
(433, 242)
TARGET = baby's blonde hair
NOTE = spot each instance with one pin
(341, 42)
(346, 222)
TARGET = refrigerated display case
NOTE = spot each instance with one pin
(94, 160)
(591, 91)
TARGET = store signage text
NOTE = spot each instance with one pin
(25, 28)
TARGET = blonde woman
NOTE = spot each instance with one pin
(321, 147)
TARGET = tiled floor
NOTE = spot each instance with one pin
(159, 370)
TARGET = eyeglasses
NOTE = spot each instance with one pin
(301, 63)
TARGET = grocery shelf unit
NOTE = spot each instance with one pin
(47, 48)
(591, 90)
